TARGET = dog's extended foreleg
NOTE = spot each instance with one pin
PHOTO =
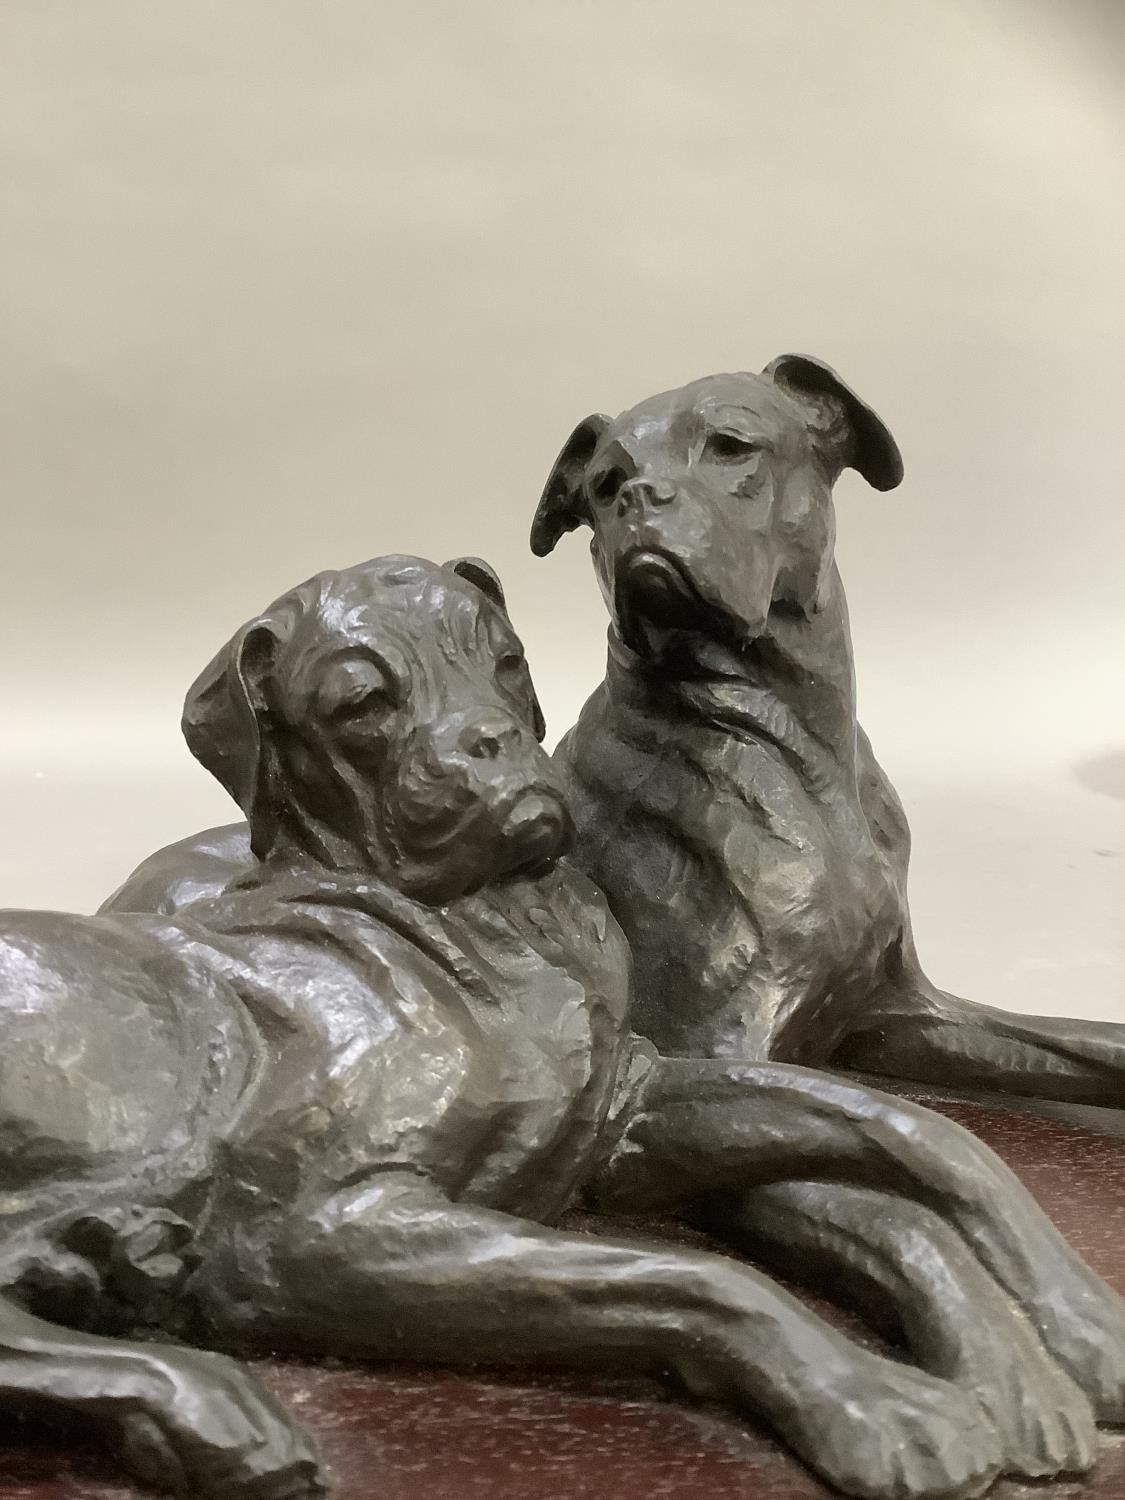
(714, 1125)
(909, 1029)
(393, 1269)
(908, 1269)
(188, 1421)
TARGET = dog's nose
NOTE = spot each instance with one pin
(636, 494)
(488, 738)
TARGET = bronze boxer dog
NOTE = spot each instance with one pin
(726, 799)
(336, 1101)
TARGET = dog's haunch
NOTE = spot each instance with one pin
(383, 718)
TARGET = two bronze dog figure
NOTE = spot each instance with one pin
(326, 1079)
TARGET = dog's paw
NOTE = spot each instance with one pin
(889, 1432)
(217, 1433)
(1082, 1323)
(1046, 1423)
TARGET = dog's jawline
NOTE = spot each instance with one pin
(661, 643)
(699, 655)
(711, 643)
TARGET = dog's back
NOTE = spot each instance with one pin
(192, 869)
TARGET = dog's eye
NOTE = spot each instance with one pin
(355, 687)
(730, 447)
(511, 661)
(604, 486)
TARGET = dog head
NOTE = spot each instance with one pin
(712, 504)
(383, 719)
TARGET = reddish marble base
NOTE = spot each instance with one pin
(408, 1434)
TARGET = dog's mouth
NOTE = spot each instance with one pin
(655, 600)
(521, 835)
(536, 832)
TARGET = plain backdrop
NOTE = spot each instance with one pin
(289, 283)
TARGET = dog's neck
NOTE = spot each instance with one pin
(303, 840)
(794, 686)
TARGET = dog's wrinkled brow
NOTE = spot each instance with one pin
(406, 643)
(632, 440)
(742, 418)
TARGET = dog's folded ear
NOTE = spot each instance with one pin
(222, 723)
(868, 445)
(563, 504)
(482, 575)
(485, 577)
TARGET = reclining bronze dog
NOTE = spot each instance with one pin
(726, 799)
(334, 1102)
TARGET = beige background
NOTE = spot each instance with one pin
(288, 283)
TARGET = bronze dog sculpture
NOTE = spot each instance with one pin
(725, 797)
(336, 1099)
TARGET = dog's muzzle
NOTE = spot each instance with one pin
(536, 831)
(652, 596)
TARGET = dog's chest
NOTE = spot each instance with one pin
(551, 1018)
(747, 885)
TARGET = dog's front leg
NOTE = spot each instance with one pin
(394, 1270)
(909, 1029)
(715, 1126)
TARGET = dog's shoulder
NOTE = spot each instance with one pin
(291, 939)
(400, 1034)
(372, 1049)
(596, 751)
